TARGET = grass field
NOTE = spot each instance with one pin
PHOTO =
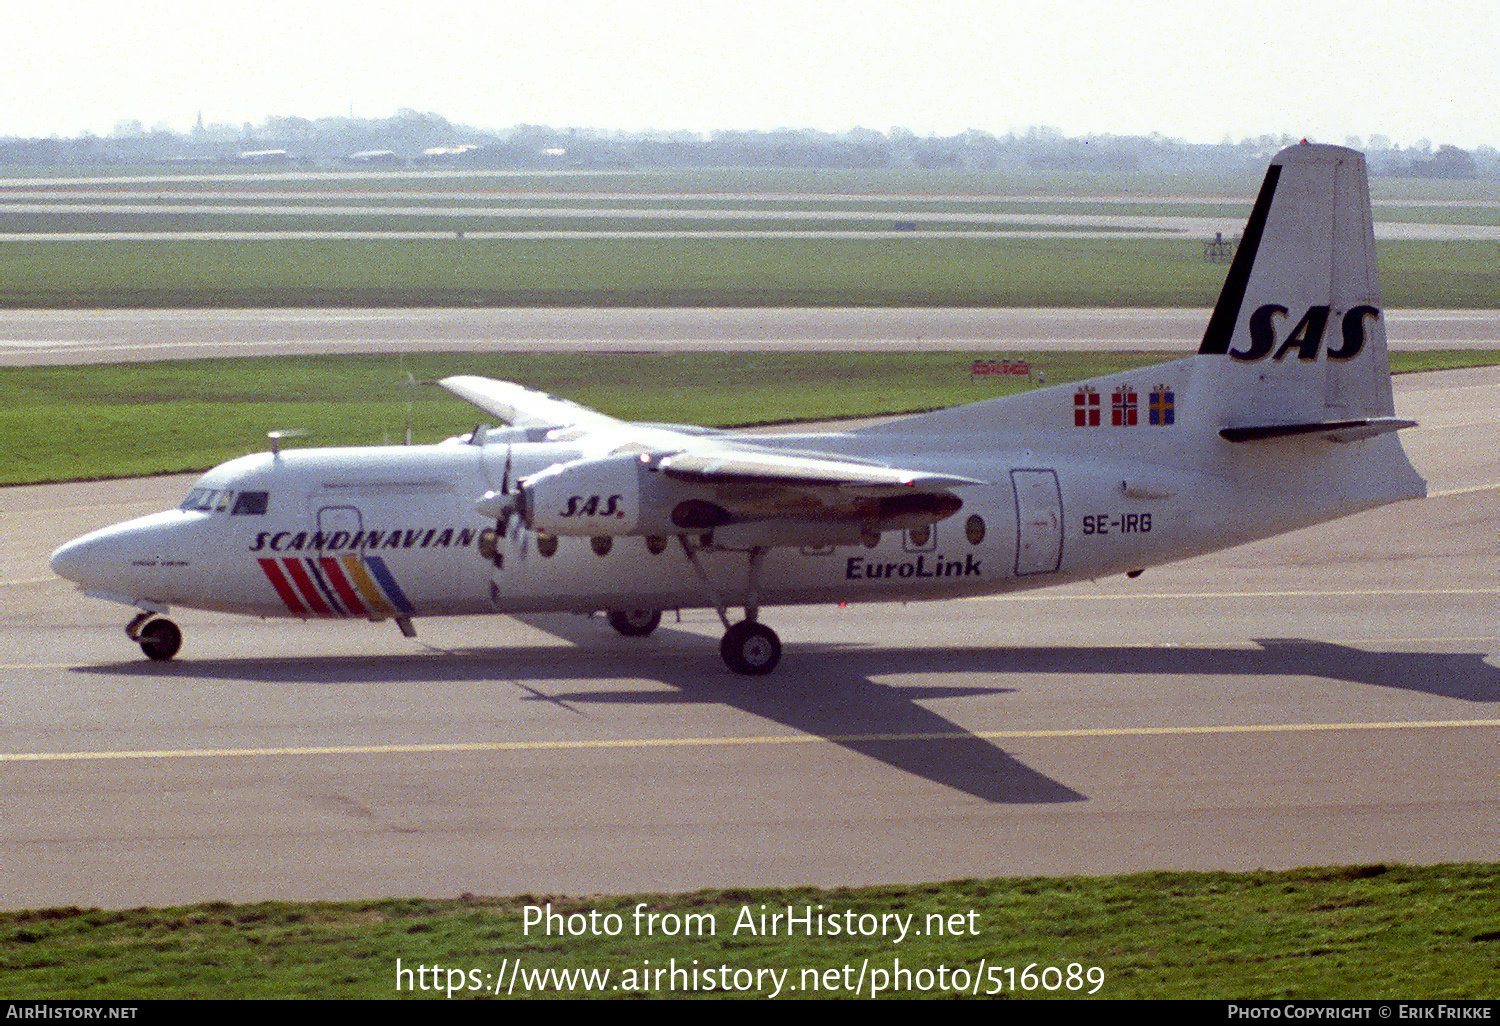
(426, 220)
(309, 210)
(70, 423)
(192, 414)
(1371, 932)
(690, 271)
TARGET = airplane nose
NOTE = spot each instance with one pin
(149, 557)
(82, 559)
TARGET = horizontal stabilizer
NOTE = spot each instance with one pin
(1334, 430)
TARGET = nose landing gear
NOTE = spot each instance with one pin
(159, 639)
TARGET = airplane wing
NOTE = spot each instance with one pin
(525, 407)
(648, 479)
(732, 466)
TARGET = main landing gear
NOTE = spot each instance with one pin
(634, 623)
(748, 647)
(159, 639)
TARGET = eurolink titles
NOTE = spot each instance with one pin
(794, 921)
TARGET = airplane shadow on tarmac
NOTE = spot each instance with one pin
(830, 690)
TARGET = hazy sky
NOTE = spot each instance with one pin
(1407, 69)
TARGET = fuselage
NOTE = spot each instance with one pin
(387, 532)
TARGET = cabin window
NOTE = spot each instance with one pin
(974, 529)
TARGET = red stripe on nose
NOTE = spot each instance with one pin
(298, 573)
(283, 588)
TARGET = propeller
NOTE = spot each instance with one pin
(516, 536)
(511, 525)
(503, 507)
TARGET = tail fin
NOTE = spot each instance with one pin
(1290, 393)
(1299, 321)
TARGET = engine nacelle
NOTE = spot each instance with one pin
(593, 497)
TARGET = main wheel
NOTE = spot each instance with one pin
(750, 648)
(634, 623)
(160, 639)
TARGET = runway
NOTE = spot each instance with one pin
(36, 337)
(164, 216)
(1327, 697)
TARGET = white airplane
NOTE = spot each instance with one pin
(1282, 419)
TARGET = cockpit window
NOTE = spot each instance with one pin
(249, 504)
(205, 500)
(219, 500)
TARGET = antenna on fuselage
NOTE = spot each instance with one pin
(412, 384)
(280, 433)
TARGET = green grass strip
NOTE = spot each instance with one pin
(1371, 932)
(689, 271)
(914, 182)
(134, 419)
(177, 415)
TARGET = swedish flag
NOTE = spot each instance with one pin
(1163, 405)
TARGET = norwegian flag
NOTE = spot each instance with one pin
(1123, 404)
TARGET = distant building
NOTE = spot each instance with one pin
(447, 154)
(383, 158)
(264, 157)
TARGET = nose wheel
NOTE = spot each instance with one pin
(159, 639)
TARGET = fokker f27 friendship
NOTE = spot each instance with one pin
(1282, 419)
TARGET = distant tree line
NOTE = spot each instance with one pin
(413, 139)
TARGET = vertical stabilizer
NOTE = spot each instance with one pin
(1299, 326)
(1288, 399)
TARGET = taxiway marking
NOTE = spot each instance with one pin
(796, 739)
